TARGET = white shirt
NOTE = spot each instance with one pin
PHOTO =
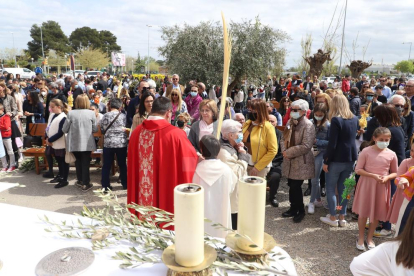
(239, 97)
(218, 181)
(380, 261)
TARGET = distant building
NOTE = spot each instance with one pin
(383, 68)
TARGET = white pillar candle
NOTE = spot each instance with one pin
(251, 217)
(189, 224)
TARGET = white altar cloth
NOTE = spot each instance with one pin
(24, 242)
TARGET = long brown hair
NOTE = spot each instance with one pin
(61, 104)
(320, 107)
(282, 106)
(405, 253)
(387, 115)
(259, 106)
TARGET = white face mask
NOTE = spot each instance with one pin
(382, 145)
(294, 115)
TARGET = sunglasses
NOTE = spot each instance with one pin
(295, 110)
(286, 101)
(174, 94)
(175, 79)
(398, 105)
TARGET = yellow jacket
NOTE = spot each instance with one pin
(263, 143)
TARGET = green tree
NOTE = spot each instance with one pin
(85, 37)
(92, 58)
(306, 45)
(53, 38)
(108, 41)
(139, 64)
(405, 66)
(256, 51)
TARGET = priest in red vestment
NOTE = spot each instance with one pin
(160, 157)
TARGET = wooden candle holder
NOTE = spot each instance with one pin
(251, 256)
(203, 269)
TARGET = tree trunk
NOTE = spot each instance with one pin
(316, 62)
(357, 67)
(236, 81)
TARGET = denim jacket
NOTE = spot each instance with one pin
(322, 135)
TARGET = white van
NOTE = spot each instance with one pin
(24, 72)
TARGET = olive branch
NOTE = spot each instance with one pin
(115, 223)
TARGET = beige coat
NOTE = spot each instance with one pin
(300, 162)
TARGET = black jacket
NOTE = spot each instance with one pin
(354, 105)
(50, 96)
(310, 86)
(102, 85)
(341, 146)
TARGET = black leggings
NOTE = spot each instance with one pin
(63, 167)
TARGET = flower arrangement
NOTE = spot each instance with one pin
(349, 184)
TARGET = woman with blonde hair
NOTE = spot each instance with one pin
(339, 157)
(80, 125)
(207, 125)
(259, 137)
(178, 105)
(323, 98)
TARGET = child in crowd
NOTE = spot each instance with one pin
(322, 126)
(376, 166)
(403, 182)
(6, 133)
(56, 140)
(218, 181)
(184, 122)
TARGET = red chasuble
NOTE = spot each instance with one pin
(160, 157)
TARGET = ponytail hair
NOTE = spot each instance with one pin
(378, 132)
(61, 104)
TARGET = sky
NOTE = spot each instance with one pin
(385, 25)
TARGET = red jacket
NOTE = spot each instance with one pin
(5, 126)
(345, 86)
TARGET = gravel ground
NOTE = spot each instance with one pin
(316, 248)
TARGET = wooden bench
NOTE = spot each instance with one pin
(36, 153)
(276, 104)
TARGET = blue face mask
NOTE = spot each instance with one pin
(193, 94)
(294, 115)
(239, 138)
(318, 118)
(76, 86)
(369, 98)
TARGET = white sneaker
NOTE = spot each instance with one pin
(311, 208)
(318, 203)
(328, 221)
(382, 234)
(343, 223)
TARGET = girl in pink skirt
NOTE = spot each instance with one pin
(376, 165)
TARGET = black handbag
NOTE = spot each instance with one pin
(31, 141)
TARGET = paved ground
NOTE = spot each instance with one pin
(316, 248)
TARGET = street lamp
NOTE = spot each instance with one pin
(15, 63)
(409, 53)
(149, 26)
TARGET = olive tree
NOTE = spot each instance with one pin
(196, 52)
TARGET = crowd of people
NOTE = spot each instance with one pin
(164, 133)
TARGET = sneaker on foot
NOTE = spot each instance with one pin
(11, 169)
(328, 221)
(87, 187)
(343, 223)
(383, 233)
(311, 208)
(4, 170)
(61, 184)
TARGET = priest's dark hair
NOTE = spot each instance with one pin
(161, 106)
(209, 146)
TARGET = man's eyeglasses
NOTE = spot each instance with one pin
(398, 105)
(295, 110)
(175, 79)
(409, 86)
